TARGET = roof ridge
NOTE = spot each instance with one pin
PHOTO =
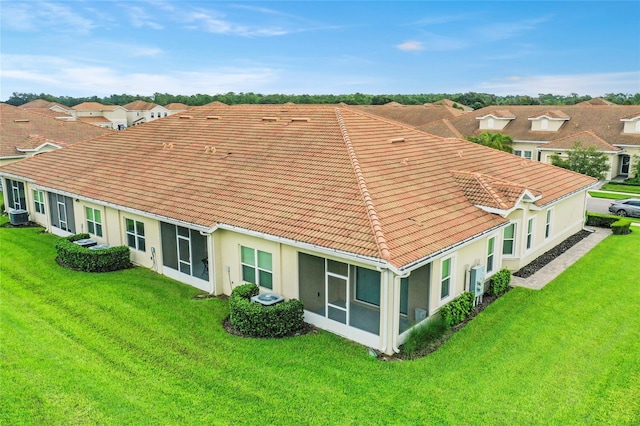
(374, 220)
(493, 192)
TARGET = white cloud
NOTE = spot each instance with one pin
(139, 18)
(214, 22)
(410, 46)
(506, 30)
(44, 16)
(582, 84)
(31, 74)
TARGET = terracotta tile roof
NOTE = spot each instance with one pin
(176, 106)
(94, 106)
(602, 120)
(484, 190)
(555, 113)
(587, 139)
(51, 113)
(96, 119)
(442, 128)
(498, 113)
(414, 115)
(326, 175)
(19, 125)
(139, 106)
(41, 103)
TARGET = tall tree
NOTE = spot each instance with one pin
(493, 140)
(587, 161)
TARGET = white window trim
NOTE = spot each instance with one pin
(37, 195)
(94, 221)
(495, 255)
(548, 224)
(514, 254)
(135, 234)
(256, 267)
(530, 233)
(452, 281)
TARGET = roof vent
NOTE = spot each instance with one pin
(211, 149)
(166, 145)
(213, 117)
(396, 140)
(270, 118)
(300, 119)
(21, 120)
(186, 117)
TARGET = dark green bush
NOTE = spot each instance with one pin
(458, 309)
(256, 320)
(601, 220)
(499, 282)
(621, 227)
(80, 258)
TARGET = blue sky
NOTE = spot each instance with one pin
(85, 48)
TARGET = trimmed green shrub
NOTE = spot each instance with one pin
(621, 227)
(499, 282)
(256, 320)
(82, 259)
(601, 220)
(458, 309)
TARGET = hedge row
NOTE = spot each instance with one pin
(458, 309)
(256, 320)
(80, 258)
(621, 227)
(601, 220)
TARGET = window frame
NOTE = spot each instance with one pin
(513, 239)
(449, 277)
(257, 268)
(491, 254)
(139, 238)
(93, 225)
(530, 233)
(38, 201)
(548, 224)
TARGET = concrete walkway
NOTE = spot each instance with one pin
(554, 268)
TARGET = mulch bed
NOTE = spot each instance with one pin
(539, 262)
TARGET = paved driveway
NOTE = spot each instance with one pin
(598, 205)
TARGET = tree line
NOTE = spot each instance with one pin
(471, 99)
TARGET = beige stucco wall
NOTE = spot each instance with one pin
(492, 123)
(552, 125)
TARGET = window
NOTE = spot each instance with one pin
(38, 201)
(135, 234)
(165, 114)
(490, 123)
(544, 124)
(445, 278)
(94, 221)
(528, 155)
(16, 195)
(509, 240)
(490, 253)
(517, 152)
(529, 233)
(547, 226)
(256, 267)
(152, 114)
(368, 286)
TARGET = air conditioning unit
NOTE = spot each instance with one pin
(19, 217)
(267, 299)
(476, 280)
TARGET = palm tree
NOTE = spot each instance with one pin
(494, 140)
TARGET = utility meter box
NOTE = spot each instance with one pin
(476, 282)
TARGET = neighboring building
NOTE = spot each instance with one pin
(52, 109)
(372, 224)
(25, 133)
(139, 112)
(176, 107)
(537, 130)
(110, 116)
(417, 115)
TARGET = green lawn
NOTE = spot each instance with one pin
(134, 348)
(610, 195)
(630, 189)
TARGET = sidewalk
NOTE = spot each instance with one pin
(545, 275)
